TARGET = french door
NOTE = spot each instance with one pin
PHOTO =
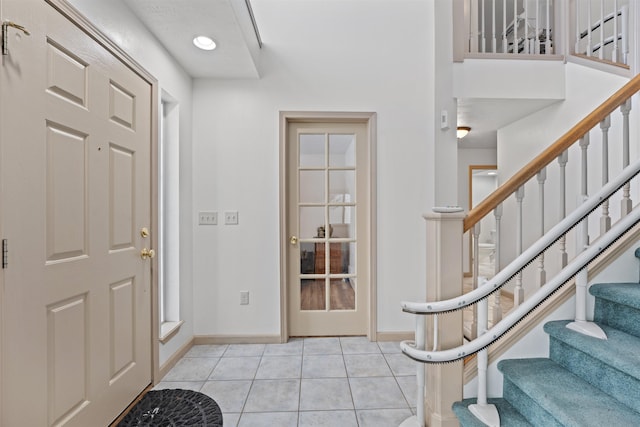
(328, 229)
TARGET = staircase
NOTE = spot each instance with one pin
(585, 381)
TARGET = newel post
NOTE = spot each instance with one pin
(444, 280)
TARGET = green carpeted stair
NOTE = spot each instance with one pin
(585, 381)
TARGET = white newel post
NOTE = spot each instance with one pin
(444, 280)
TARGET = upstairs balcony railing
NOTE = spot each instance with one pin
(596, 29)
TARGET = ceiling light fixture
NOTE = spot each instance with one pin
(462, 131)
(204, 43)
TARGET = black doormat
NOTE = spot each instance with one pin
(174, 407)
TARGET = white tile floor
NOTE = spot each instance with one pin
(337, 382)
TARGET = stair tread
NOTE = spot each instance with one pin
(567, 397)
(620, 350)
(621, 293)
(508, 415)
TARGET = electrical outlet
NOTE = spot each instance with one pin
(231, 217)
(207, 218)
(244, 297)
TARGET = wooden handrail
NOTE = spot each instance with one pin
(551, 153)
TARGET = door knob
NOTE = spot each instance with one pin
(147, 253)
(293, 240)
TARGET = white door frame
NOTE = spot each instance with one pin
(370, 119)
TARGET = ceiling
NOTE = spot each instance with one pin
(485, 116)
(228, 22)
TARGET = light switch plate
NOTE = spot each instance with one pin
(231, 217)
(207, 218)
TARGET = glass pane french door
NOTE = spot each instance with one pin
(325, 193)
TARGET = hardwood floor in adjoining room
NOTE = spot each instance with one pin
(313, 297)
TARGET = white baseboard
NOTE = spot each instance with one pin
(236, 339)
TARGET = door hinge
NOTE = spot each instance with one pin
(5, 253)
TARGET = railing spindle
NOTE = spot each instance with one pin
(542, 177)
(625, 203)
(473, 26)
(476, 275)
(516, 47)
(625, 33)
(614, 52)
(497, 306)
(505, 44)
(601, 52)
(537, 35)
(562, 161)
(547, 34)
(605, 220)
(525, 36)
(494, 39)
(589, 37)
(576, 47)
(483, 39)
(584, 145)
(518, 292)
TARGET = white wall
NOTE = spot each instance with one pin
(317, 56)
(116, 21)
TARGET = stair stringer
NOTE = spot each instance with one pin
(542, 312)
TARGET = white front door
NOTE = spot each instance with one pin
(328, 228)
(75, 142)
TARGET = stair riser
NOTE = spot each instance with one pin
(619, 316)
(611, 381)
(535, 414)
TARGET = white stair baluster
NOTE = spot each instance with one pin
(601, 52)
(473, 26)
(547, 34)
(483, 39)
(542, 177)
(536, 47)
(505, 44)
(625, 34)
(518, 292)
(625, 203)
(494, 40)
(605, 220)
(525, 36)
(589, 35)
(614, 52)
(582, 242)
(562, 161)
(576, 47)
(482, 410)
(497, 306)
(476, 276)
(516, 45)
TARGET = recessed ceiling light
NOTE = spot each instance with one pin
(204, 43)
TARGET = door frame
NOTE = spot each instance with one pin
(471, 168)
(75, 17)
(370, 120)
